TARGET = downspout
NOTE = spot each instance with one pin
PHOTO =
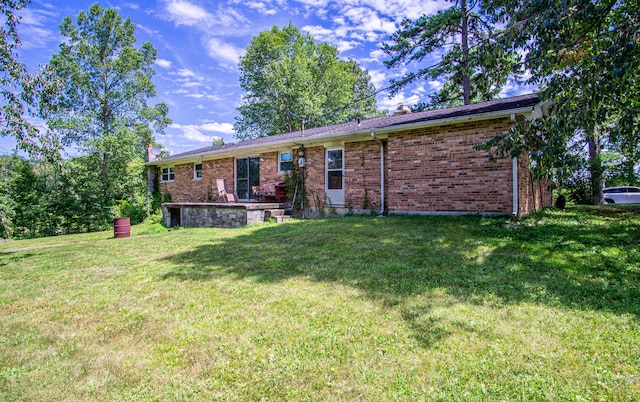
(514, 169)
(515, 186)
(373, 135)
(151, 173)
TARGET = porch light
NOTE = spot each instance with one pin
(301, 160)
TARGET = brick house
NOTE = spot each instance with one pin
(407, 163)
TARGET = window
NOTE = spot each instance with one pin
(197, 171)
(168, 174)
(334, 169)
(285, 163)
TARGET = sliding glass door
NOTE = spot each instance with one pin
(247, 175)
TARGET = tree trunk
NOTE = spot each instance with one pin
(595, 165)
(629, 163)
(466, 79)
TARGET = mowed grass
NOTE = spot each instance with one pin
(354, 308)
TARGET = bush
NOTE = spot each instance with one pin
(136, 211)
(579, 190)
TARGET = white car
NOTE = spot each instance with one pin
(622, 195)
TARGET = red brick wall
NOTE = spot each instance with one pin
(269, 168)
(314, 175)
(362, 175)
(433, 169)
(186, 189)
(533, 194)
(437, 169)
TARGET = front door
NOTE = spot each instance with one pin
(335, 177)
(247, 175)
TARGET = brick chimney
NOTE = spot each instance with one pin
(402, 109)
(150, 155)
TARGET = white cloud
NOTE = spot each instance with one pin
(192, 84)
(318, 32)
(375, 56)
(378, 78)
(515, 89)
(368, 20)
(315, 3)
(194, 133)
(33, 28)
(224, 52)
(412, 9)
(357, 23)
(147, 30)
(186, 73)
(35, 38)
(185, 13)
(203, 96)
(222, 128)
(334, 37)
(261, 7)
(163, 63)
(434, 85)
(391, 104)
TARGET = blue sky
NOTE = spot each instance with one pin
(199, 43)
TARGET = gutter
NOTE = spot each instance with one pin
(515, 186)
(514, 173)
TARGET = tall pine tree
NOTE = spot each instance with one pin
(462, 38)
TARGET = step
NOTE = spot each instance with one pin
(275, 212)
(279, 215)
(283, 218)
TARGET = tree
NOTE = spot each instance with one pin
(291, 82)
(585, 56)
(473, 67)
(20, 91)
(102, 107)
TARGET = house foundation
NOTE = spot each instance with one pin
(221, 215)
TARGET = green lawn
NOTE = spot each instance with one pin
(355, 308)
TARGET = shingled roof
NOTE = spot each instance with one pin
(386, 123)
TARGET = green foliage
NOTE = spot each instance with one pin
(8, 177)
(136, 210)
(291, 82)
(102, 108)
(579, 189)
(98, 104)
(42, 199)
(473, 67)
(585, 56)
(21, 91)
(296, 188)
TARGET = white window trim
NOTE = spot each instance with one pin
(162, 180)
(280, 161)
(195, 177)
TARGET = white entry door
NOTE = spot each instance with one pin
(335, 177)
